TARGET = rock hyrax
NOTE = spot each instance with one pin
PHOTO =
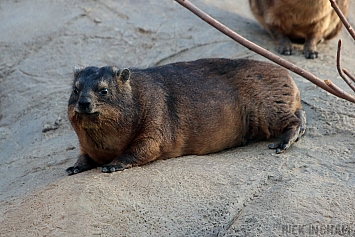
(129, 117)
(310, 21)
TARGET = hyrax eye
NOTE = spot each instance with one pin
(75, 91)
(103, 91)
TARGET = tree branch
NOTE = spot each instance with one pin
(342, 71)
(343, 18)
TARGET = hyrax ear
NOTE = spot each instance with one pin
(123, 74)
(77, 71)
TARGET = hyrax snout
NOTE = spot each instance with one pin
(129, 117)
(288, 20)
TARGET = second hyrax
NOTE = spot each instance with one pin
(129, 117)
(288, 20)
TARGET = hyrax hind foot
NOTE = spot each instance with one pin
(292, 134)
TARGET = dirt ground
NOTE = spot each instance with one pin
(246, 191)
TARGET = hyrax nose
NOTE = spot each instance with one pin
(84, 103)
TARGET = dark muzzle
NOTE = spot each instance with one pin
(84, 105)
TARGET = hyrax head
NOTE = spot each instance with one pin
(95, 88)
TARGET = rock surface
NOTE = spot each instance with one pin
(246, 191)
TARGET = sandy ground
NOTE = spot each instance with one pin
(247, 191)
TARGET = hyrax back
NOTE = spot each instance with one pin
(128, 117)
(310, 21)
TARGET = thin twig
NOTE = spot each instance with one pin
(267, 54)
(340, 70)
(352, 33)
(349, 75)
(335, 88)
(343, 18)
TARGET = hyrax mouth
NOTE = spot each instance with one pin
(85, 111)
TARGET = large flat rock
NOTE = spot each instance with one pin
(246, 191)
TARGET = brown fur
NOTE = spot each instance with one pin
(133, 116)
(311, 21)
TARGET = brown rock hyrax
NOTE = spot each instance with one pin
(129, 117)
(288, 20)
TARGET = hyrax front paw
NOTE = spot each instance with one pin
(110, 168)
(285, 48)
(310, 54)
(83, 163)
(74, 170)
(284, 44)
